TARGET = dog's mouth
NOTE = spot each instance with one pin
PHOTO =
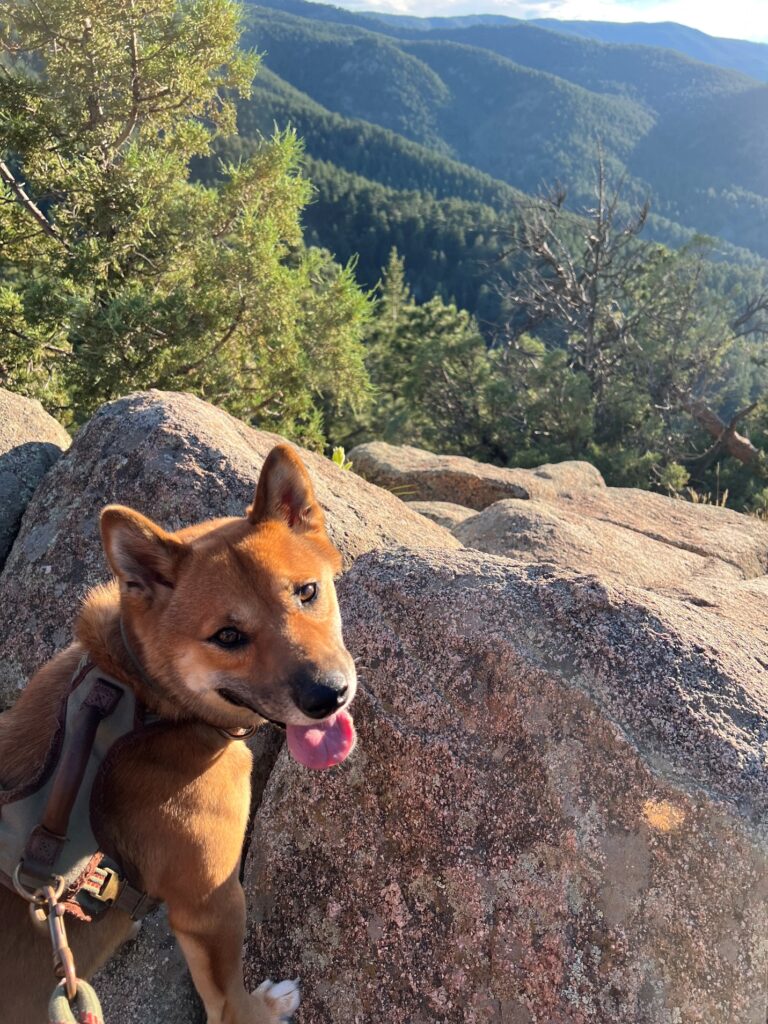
(240, 702)
(321, 745)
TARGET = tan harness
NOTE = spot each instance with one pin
(50, 827)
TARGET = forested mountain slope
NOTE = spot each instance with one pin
(750, 58)
(530, 106)
(738, 54)
(375, 190)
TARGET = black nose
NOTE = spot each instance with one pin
(320, 697)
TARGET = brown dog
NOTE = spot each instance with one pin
(224, 625)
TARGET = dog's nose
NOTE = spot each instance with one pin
(319, 698)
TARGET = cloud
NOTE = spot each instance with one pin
(738, 19)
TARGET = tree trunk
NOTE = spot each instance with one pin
(729, 441)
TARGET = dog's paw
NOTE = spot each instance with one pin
(280, 999)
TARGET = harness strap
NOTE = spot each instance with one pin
(47, 839)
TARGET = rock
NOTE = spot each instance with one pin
(148, 980)
(561, 536)
(570, 477)
(418, 475)
(444, 513)
(178, 460)
(556, 813)
(30, 442)
(706, 530)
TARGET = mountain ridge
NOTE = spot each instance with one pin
(529, 106)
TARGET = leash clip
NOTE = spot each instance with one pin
(63, 960)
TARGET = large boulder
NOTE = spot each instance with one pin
(30, 442)
(178, 460)
(707, 530)
(444, 513)
(560, 535)
(419, 475)
(556, 813)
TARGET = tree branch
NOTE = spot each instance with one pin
(190, 367)
(7, 175)
(727, 439)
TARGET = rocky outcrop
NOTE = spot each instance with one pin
(444, 513)
(178, 460)
(560, 535)
(418, 475)
(706, 530)
(556, 812)
(30, 442)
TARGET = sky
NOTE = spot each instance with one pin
(737, 19)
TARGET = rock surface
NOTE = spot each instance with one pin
(148, 980)
(557, 810)
(419, 475)
(556, 813)
(178, 460)
(444, 513)
(30, 442)
(559, 535)
(706, 530)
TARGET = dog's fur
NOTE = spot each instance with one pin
(178, 797)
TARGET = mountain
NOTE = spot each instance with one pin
(738, 54)
(530, 106)
(742, 55)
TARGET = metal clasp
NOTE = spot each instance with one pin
(63, 960)
(44, 906)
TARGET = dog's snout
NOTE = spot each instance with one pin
(319, 697)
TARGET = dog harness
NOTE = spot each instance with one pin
(49, 826)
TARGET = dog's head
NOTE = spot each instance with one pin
(237, 619)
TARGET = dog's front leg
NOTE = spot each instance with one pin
(210, 930)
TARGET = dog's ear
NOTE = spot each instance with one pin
(141, 554)
(285, 493)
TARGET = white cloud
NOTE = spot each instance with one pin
(738, 19)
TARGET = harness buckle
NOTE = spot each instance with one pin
(103, 884)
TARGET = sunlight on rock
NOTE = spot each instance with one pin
(663, 815)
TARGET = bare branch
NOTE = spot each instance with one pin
(727, 439)
(28, 204)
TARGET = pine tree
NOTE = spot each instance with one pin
(116, 271)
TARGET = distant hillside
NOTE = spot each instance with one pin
(660, 79)
(739, 54)
(516, 123)
(529, 106)
(366, 149)
(742, 55)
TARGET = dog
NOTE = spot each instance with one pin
(216, 628)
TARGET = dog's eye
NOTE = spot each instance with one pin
(307, 592)
(228, 637)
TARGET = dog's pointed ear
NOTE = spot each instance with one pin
(142, 555)
(285, 493)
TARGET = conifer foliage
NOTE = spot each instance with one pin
(117, 271)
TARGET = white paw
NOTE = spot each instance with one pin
(282, 997)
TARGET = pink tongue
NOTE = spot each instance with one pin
(324, 744)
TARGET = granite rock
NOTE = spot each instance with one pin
(419, 475)
(30, 442)
(556, 813)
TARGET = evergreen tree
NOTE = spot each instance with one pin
(429, 367)
(116, 271)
